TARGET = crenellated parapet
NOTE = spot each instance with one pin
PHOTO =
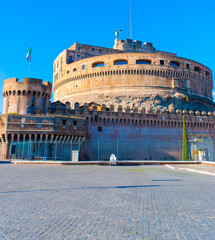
(103, 116)
(28, 96)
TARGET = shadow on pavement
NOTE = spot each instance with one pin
(69, 189)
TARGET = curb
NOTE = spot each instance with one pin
(191, 170)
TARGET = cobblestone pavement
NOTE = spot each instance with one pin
(102, 202)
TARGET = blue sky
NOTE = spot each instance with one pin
(182, 27)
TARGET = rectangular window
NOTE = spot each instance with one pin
(83, 67)
(75, 123)
(161, 62)
(188, 66)
(64, 122)
(99, 129)
(70, 59)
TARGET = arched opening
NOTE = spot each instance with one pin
(9, 137)
(197, 69)
(27, 137)
(38, 137)
(174, 64)
(15, 138)
(143, 61)
(44, 137)
(98, 64)
(49, 137)
(21, 137)
(120, 62)
(32, 137)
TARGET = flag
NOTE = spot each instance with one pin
(28, 55)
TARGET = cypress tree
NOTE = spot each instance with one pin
(185, 146)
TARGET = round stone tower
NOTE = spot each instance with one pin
(31, 96)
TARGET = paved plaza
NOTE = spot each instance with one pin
(103, 202)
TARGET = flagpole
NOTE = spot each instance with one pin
(29, 68)
(130, 22)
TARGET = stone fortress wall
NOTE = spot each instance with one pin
(110, 116)
(29, 96)
(137, 129)
(125, 78)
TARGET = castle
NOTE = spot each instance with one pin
(128, 99)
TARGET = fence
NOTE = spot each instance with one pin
(99, 150)
(42, 151)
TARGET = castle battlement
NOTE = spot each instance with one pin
(103, 116)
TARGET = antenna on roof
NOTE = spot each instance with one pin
(130, 22)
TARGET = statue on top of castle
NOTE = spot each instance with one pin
(117, 34)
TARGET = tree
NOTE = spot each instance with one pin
(185, 146)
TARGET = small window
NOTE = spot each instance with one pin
(74, 69)
(197, 69)
(161, 62)
(143, 62)
(207, 73)
(75, 123)
(98, 64)
(70, 59)
(92, 49)
(174, 64)
(64, 122)
(67, 72)
(120, 62)
(61, 61)
(83, 67)
(99, 129)
(187, 65)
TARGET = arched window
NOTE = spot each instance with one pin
(98, 64)
(120, 62)
(143, 61)
(174, 64)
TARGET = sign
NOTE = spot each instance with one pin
(75, 155)
(196, 152)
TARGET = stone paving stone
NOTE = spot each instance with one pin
(102, 202)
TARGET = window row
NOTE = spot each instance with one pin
(175, 64)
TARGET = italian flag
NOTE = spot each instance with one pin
(28, 54)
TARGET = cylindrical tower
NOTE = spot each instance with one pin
(31, 96)
(135, 79)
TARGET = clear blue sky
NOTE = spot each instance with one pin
(185, 27)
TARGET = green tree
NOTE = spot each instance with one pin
(185, 146)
